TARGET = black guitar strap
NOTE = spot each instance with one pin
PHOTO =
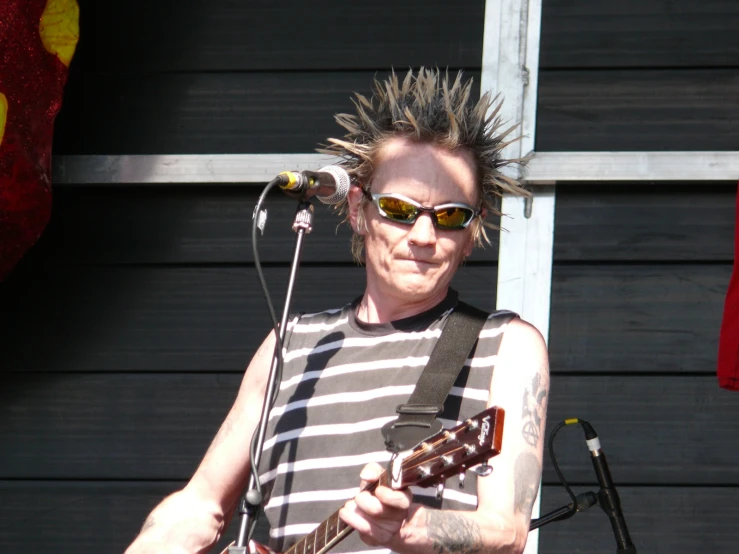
(417, 418)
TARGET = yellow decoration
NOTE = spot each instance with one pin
(60, 28)
(3, 115)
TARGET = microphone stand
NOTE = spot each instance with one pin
(251, 501)
(584, 501)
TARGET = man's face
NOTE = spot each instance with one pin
(415, 263)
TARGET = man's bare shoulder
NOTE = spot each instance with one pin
(520, 332)
(522, 355)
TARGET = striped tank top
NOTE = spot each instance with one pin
(342, 380)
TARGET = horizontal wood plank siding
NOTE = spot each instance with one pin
(226, 35)
(167, 319)
(38, 517)
(212, 224)
(222, 35)
(631, 318)
(638, 110)
(582, 34)
(637, 222)
(195, 113)
(157, 426)
(634, 319)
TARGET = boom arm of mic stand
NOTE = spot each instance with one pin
(301, 225)
(584, 501)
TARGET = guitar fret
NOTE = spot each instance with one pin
(330, 526)
(311, 542)
(325, 532)
(318, 543)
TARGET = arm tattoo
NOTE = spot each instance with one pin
(526, 483)
(452, 533)
(534, 408)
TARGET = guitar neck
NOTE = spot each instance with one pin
(330, 532)
(429, 463)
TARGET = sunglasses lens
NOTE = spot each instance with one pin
(403, 211)
(454, 217)
(397, 209)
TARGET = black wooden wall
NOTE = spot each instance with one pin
(124, 333)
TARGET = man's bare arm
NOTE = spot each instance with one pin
(193, 519)
(452, 533)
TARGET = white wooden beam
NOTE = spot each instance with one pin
(180, 169)
(633, 166)
(510, 67)
(237, 169)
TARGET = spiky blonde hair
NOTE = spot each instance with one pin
(425, 108)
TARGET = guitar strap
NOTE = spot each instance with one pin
(417, 418)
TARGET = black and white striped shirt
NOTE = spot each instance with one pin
(341, 383)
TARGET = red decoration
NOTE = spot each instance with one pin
(31, 84)
(728, 350)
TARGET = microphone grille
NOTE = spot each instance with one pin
(342, 184)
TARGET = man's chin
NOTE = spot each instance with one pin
(419, 289)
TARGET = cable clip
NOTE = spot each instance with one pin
(261, 218)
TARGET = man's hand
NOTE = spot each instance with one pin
(377, 516)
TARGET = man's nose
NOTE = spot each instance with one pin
(423, 231)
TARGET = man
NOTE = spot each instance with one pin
(425, 162)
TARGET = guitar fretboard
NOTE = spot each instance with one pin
(329, 533)
(323, 537)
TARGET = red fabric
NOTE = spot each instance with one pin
(728, 350)
(32, 81)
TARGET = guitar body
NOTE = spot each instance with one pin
(430, 463)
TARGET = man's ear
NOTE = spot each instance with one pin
(468, 247)
(354, 199)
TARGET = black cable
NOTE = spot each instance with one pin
(255, 251)
(275, 325)
(573, 508)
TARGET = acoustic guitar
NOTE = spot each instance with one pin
(430, 463)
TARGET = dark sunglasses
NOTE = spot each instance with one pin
(401, 209)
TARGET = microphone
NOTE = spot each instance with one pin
(329, 184)
(607, 496)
